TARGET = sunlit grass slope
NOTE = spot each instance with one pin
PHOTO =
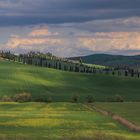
(61, 86)
(130, 111)
(40, 121)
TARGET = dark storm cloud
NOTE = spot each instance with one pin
(98, 4)
(25, 12)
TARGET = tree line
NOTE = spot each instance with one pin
(50, 61)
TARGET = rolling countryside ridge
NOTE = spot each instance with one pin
(111, 60)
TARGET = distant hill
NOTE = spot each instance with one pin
(110, 60)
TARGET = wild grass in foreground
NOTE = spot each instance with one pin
(58, 121)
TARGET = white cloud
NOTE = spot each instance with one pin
(15, 42)
(42, 32)
(109, 41)
(71, 39)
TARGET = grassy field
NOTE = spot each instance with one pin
(130, 110)
(61, 86)
(67, 121)
(64, 121)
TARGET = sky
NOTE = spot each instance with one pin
(70, 27)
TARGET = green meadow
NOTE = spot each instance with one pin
(128, 110)
(17, 78)
(58, 121)
(62, 119)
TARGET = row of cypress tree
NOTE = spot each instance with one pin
(50, 61)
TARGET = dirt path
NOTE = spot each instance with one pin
(129, 125)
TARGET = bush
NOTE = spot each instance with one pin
(119, 98)
(113, 73)
(6, 99)
(75, 98)
(22, 97)
(90, 99)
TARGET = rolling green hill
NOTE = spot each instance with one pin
(61, 86)
(58, 121)
(110, 60)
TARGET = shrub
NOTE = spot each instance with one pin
(90, 99)
(126, 73)
(22, 97)
(119, 98)
(113, 73)
(75, 98)
(6, 99)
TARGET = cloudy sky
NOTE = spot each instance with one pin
(70, 27)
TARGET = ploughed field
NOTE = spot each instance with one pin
(17, 78)
(127, 110)
(58, 121)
